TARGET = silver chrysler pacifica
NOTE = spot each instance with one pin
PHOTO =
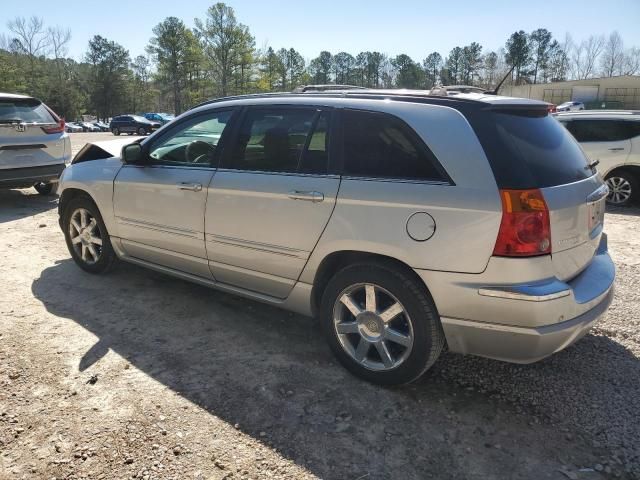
(401, 220)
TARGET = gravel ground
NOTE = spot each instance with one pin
(138, 375)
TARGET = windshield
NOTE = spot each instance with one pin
(139, 118)
(27, 110)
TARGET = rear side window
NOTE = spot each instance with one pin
(27, 110)
(379, 145)
(603, 130)
(530, 149)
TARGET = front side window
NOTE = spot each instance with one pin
(382, 146)
(282, 140)
(194, 143)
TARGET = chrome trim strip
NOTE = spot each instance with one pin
(158, 228)
(278, 250)
(522, 295)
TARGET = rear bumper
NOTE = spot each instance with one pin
(524, 322)
(26, 177)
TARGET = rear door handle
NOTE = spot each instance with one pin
(193, 187)
(309, 196)
(616, 149)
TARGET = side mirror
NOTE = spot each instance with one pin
(132, 154)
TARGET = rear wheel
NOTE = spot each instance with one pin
(142, 131)
(116, 131)
(623, 188)
(44, 188)
(87, 237)
(381, 324)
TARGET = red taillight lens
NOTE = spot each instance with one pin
(525, 229)
(59, 128)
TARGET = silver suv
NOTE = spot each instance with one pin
(33, 144)
(403, 221)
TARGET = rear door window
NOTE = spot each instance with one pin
(378, 145)
(27, 110)
(601, 130)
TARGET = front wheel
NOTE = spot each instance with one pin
(116, 131)
(44, 188)
(87, 237)
(623, 189)
(381, 323)
(142, 131)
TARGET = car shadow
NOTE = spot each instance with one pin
(268, 370)
(16, 204)
(632, 210)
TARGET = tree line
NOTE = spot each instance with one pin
(218, 57)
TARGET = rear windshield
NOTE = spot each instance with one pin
(531, 150)
(27, 110)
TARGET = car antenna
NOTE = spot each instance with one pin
(495, 90)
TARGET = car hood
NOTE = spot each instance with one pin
(100, 150)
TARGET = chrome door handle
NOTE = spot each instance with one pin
(309, 196)
(194, 187)
(616, 149)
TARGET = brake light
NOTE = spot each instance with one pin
(58, 128)
(525, 229)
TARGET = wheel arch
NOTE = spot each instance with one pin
(633, 169)
(336, 261)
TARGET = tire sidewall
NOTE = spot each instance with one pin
(418, 304)
(634, 189)
(116, 131)
(108, 254)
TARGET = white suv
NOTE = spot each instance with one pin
(34, 146)
(613, 140)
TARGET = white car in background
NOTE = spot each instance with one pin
(70, 127)
(34, 146)
(570, 107)
(611, 138)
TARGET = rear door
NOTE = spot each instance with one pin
(269, 203)
(605, 141)
(23, 141)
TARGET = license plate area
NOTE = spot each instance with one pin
(596, 214)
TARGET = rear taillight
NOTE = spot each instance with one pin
(525, 229)
(58, 128)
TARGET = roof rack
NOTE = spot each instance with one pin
(326, 88)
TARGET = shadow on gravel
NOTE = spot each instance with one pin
(632, 211)
(16, 204)
(270, 371)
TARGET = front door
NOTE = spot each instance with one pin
(272, 198)
(160, 205)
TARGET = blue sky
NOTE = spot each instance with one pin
(411, 26)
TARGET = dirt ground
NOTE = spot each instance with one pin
(139, 375)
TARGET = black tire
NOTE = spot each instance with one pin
(142, 131)
(44, 188)
(116, 131)
(618, 189)
(107, 256)
(428, 336)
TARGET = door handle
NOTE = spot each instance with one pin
(616, 149)
(194, 187)
(309, 196)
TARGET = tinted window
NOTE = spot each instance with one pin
(537, 142)
(24, 110)
(282, 140)
(380, 145)
(602, 130)
(194, 143)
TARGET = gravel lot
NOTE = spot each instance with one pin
(139, 375)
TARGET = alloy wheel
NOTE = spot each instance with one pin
(619, 190)
(373, 327)
(85, 235)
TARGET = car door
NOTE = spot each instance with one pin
(271, 199)
(605, 141)
(160, 204)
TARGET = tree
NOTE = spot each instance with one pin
(109, 70)
(320, 68)
(432, 65)
(408, 72)
(224, 40)
(343, 66)
(471, 60)
(454, 65)
(518, 54)
(540, 41)
(270, 68)
(612, 59)
(490, 67)
(586, 55)
(558, 64)
(30, 39)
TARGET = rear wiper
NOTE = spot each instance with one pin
(593, 165)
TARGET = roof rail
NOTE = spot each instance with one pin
(326, 88)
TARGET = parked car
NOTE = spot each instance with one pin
(34, 146)
(161, 118)
(132, 124)
(570, 107)
(611, 138)
(90, 127)
(71, 127)
(102, 126)
(401, 220)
